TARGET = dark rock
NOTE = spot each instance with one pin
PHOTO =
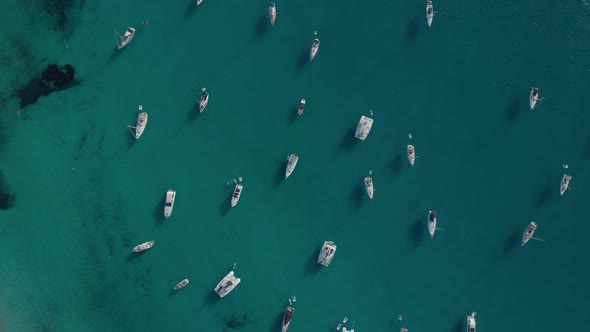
(53, 78)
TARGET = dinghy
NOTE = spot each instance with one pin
(363, 128)
(471, 322)
(338, 327)
(169, 205)
(126, 38)
(204, 100)
(181, 284)
(565, 183)
(144, 246)
(235, 197)
(369, 186)
(301, 107)
(411, 154)
(431, 222)
(315, 46)
(534, 97)
(293, 159)
(528, 233)
(429, 12)
(327, 253)
(272, 13)
(227, 284)
(287, 317)
(139, 127)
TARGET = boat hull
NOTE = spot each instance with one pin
(291, 164)
(235, 198)
(227, 284)
(203, 102)
(301, 107)
(169, 203)
(528, 233)
(533, 98)
(287, 317)
(369, 186)
(363, 128)
(272, 13)
(315, 46)
(142, 120)
(144, 246)
(431, 223)
(565, 183)
(429, 13)
(411, 154)
(181, 284)
(327, 253)
(471, 325)
(128, 36)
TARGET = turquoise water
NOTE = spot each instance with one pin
(86, 192)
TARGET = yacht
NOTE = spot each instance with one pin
(315, 46)
(565, 183)
(272, 13)
(227, 284)
(204, 100)
(429, 12)
(301, 107)
(528, 233)
(471, 322)
(169, 205)
(411, 154)
(235, 197)
(369, 186)
(181, 284)
(125, 38)
(139, 127)
(287, 317)
(144, 246)
(327, 253)
(534, 97)
(363, 128)
(293, 159)
(431, 222)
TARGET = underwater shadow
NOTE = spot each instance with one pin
(349, 141)
(190, 9)
(416, 231)
(210, 298)
(292, 116)
(545, 194)
(193, 114)
(280, 174)
(261, 26)
(302, 61)
(158, 213)
(458, 326)
(356, 196)
(224, 207)
(511, 242)
(234, 322)
(397, 164)
(412, 30)
(513, 110)
(312, 266)
(277, 323)
(132, 256)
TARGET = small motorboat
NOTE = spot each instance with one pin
(169, 204)
(125, 38)
(199, 2)
(369, 186)
(339, 326)
(293, 159)
(287, 317)
(528, 233)
(411, 154)
(301, 107)
(144, 246)
(327, 253)
(471, 322)
(565, 183)
(534, 97)
(204, 100)
(181, 284)
(431, 222)
(363, 128)
(139, 127)
(235, 197)
(272, 13)
(429, 12)
(315, 46)
(227, 284)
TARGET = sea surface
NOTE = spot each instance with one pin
(78, 192)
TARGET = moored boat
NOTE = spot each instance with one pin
(429, 12)
(144, 246)
(125, 38)
(565, 183)
(528, 233)
(301, 107)
(363, 128)
(287, 317)
(293, 159)
(235, 197)
(272, 13)
(227, 284)
(338, 327)
(181, 284)
(534, 97)
(204, 100)
(431, 222)
(139, 127)
(327, 253)
(471, 322)
(344, 329)
(369, 186)
(403, 329)
(411, 154)
(315, 46)
(169, 204)
(199, 2)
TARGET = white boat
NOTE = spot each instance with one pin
(344, 329)
(534, 97)
(565, 183)
(235, 197)
(139, 127)
(144, 246)
(199, 2)
(369, 186)
(204, 100)
(169, 205)
(301, 107)
(315, 46)
(181, 284)
(227, 284)
(125, 38)
(403, 329)
(471, 322)
(339, 326)
(411, 154)
(431, 222)
(293, 159)
(528, 233)
(429, 12)
(272, 13)
(363, 128)
(287, 317)
(327, 253)
(345, 320)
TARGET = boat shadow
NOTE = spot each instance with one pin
(511, 242)
(547, 192)
(349, 141)
(158, 213)
(312, 266)
(513, 110)
(356, 196)
(412, 30)
(115, 54)
(261, 26)
(234, 321)
(458, 326)
(210, 298)
(397, 164)
(280, 174)
(191, 7)
(277, 323)
(416, 231)
(132, 256)
(224, 207)
(193, 114)
(302, 61)
(292, 115)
